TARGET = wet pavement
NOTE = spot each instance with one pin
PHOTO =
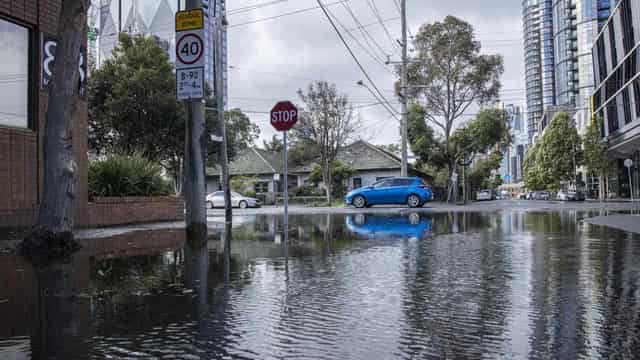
(504, 283)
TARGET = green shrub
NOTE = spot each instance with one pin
(123, 175)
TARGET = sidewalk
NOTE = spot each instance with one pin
(629, 223)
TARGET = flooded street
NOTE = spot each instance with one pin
(499, 284)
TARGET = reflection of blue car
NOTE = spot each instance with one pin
(411, 225)
(411, 191)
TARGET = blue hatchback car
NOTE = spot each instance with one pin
(411, 191)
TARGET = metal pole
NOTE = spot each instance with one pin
(630, 183)
(219, 83)
(403, 92)
(286, 193)
(120, 16)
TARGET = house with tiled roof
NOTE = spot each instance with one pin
(371, 163)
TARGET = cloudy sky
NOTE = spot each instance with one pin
(271, 59)
(278, 46)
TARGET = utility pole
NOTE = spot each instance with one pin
(403, 91)
(120, 16)
(221, 23)
(194, 161)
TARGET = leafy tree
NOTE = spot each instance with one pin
(133, 106)
(340, 174)
(559, 151)
(595, 154)
(553, 159)
(246, 185)
(241, 134)
(453, 75)
(274, 145)
(533, 176)
(489, 130)
(133, 109)
(481, 175)
(328, 124)
(391, 148)
(423, 141)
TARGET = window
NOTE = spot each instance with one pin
(382, 184)
(636, 96)
(627, 106)
(262, 187)
(14, 75)
(357, 183)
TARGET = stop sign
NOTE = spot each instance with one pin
(284, 115)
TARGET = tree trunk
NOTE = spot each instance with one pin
(56, 214)
(326, 181)
(452, 193)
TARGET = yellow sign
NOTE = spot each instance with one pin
(190, 20)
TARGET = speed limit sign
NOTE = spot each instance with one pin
(190, 50)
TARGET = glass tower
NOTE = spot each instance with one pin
(576, 24)
(539, 59)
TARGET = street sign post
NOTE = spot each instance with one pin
(628, 163)
(190, 54)
(284, 116)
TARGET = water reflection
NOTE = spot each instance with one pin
(412, 225)
(507, 284)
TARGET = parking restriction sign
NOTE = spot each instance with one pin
(190, 49)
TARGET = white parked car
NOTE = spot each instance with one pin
(216, 199)
(484, 195)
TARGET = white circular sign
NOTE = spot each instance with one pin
(189, 49)
(628, 163)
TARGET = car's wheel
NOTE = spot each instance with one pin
(413, 201)
(209, 205)
(359, 201)
(243, 204)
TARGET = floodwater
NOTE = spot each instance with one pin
(507, 284)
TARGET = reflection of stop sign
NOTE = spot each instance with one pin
(284, 115)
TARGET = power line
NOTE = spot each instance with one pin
(248, 8)
(363, 30)
(376, 13)
(284, 14)
(355, 39)
(377, 22)
(355, 58)
(350, 84)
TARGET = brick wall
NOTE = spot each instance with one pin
(133, 210)
(21, 150)
(21, 165)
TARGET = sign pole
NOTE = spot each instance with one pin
(284, 116)
(286, 192)
(195, 142)
(628, 163)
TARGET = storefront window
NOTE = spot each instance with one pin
(14, 75)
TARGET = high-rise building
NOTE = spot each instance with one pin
(616, 99)
(558, 62)
(513, 157)
(539, 63)
(157, 18)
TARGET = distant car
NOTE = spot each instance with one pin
(411, 191)
(540, 195)
(570, 196)
(484, 195)
(216, 199)
(523, 196)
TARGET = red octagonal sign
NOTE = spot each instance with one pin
(284, 115)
